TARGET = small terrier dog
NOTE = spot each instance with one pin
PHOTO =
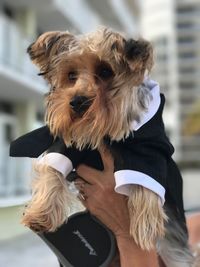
(97, 91)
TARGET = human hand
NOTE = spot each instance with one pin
(99, 196)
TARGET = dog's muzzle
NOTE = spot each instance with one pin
(80, 104)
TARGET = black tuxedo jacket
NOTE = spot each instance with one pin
(146, 151)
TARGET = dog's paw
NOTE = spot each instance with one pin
(147, 217)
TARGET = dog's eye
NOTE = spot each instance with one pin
(72, 76)
(104, 72)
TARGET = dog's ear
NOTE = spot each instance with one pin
(139, 55)
(48, 45)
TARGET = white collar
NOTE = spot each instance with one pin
(153, 104)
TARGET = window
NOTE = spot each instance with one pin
(187, 54)
(161, 57)
(187, 70)
(8, 11)
(161, 42)
(185, 25)
(6, 107)
(186, 9)
(187, 85)
(186, 39)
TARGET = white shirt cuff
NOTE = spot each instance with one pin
(125, 178)
(57, 161)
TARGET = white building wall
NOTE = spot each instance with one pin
(177, 64)
(157, 25)
(20, 117)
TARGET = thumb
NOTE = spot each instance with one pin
(107, 159)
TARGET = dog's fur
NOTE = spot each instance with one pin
(108, 70)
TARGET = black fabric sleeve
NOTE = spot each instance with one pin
(36, 142)
(147, 150)
(146, 157)
(32, 144)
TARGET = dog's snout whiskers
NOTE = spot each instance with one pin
(80, 104)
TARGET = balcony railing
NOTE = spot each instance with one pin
(13, 47)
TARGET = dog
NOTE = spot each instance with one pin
(101, 96)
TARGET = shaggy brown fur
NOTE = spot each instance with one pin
(108, 71)
(39, 214)
(59, 54)
(144, 206)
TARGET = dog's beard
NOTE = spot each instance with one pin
(110, 115)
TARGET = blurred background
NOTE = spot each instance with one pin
(173, 26)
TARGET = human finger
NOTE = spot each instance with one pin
(80, 185)
(107, 159)
(79, 181)
(89, 174)
(86, 189)
(81, 196)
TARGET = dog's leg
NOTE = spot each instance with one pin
(147, 217)
(173, 248)
(48, 207)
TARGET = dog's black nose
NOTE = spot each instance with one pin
(79, 103)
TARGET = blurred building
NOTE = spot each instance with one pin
(21, 90)
(174, 28)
